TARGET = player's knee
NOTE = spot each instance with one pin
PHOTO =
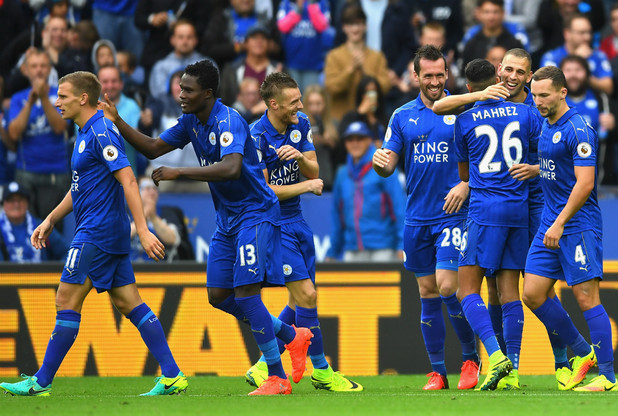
(532, 300)
(447, 289)
(307, 299)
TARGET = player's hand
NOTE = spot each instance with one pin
(109, 109)
(381, 158)
(315, 186)
(164, 173)
(552, 236)
(288, 152)
(523, 171)
(495, 92)
(456, 197)
(153, 247)
(38, 239)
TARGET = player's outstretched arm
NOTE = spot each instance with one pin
(283, 192)
(523, 171)
(384, 162)
(153, 247)
(584, 184)
(307, 161)
(455, 104)
(38, 239)
(228, 169)
(454, 200)
(148, 146)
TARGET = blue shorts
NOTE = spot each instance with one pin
(252, 255)
(297, 251)
(579, 258)
(428, 247)
(494, 247)
(105, 270)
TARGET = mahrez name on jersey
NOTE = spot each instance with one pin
(494, 112)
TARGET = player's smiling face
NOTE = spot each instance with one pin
(68, 102)
(192, 96)
(431, 77)
(515, 73)
(548, 98)
(286, 106)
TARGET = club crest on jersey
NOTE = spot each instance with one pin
(310, 137)
(212, 138)
(584, 149)
(556, 138)
(110, 153)
(82, 146)
(287, 269)
(295, 136)
(388, 134)
(449, 119)
(226, 139)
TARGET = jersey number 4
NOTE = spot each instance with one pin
(508, 143)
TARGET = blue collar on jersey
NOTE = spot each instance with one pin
(272, 131)
(491, 101)
(566, 116)
(529, 100)
(91, 120)
(211, 117)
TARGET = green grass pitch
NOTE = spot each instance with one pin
(383, 395)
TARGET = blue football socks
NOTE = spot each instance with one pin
(478, 317)
(434, 332)
(601, 338)
(495, 314)
(558, 346)
(308, 318)
(513, 318)
(462, 328)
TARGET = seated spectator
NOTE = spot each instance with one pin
(248, 102)
(609, 44)
(368, 210)
(224, 38)
(77, 56)
(256, 64)
(103, 54)
(166, 230)
(596, 107)
(348, 63)
(306, 37)
(323, 130)
(39, 133)
(495, 54)
(489, 15)
(184, 41)
(577, 41)
(129, 110)
(70, 10)
(17, 225)
(133, 75)
(446, 13)
(492, 32)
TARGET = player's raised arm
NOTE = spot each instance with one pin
(148, 146)
(455, 104)
(154, 248)
(229, 168)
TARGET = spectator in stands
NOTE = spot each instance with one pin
(77, 56)
(306, 37)
(368, 210)
(115, 21)
(577, 41)
(129, 110)
(553, 15)
(133, 75)
(492, 32)
(224, 38)
(348, 63)
(256, 64)
(524, 13)
(609, 44)
(166, 232)
(184, 42)
(70, 10)
(448, 13)
(7, 148)
(16, 227)
(323, 130)
(156, 17)
(103, 54)
(595, 107)
(249, 103)
(495, 54)
(39, 133)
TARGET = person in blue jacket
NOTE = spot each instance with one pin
(368, 211)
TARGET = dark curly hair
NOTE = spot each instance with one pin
(207, 74)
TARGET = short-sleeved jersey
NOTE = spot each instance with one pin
(239, 203)
(568, 143)
(431, 169)
(597, 61)
(492, 136)
(535, 193)
(98, 198)
(40, 150)
(268, 140)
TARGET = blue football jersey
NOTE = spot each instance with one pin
(268, 140)
(568, 143)
(597, 62)
(535, 193)
(430, 165)
(492, 136)
(98, 198)
(239, 203)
